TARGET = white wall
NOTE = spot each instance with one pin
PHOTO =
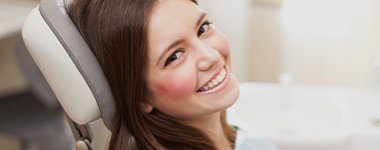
(338, 48)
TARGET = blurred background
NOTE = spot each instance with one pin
(314, 43)
(312, 67)
(330, 42)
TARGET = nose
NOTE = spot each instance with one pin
(207, 57)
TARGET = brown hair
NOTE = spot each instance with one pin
(116, 32)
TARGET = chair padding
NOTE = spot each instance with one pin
(68, 64)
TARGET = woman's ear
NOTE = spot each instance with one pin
(146, 107)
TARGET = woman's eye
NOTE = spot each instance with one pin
(177, 54)
(204, 28)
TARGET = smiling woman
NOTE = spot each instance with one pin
(169, 70)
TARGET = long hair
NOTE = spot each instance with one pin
(116, 32)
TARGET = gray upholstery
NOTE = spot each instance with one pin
(54, 13)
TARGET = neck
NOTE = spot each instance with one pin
(212, 126)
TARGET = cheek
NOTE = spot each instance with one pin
(224, 47)
(175, 86)
(221, 44)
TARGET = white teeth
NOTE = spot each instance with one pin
(214, 82)
(219, 78)
(223, 73)
(210, 84)
(205, 87)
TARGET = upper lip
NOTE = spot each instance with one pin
(213, 77)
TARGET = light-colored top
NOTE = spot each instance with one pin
(245, 140)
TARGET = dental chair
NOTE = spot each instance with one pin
(72, 72)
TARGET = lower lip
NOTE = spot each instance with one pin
(218, 88)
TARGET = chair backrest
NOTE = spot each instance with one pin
(68, 64)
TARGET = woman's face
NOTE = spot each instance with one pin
(189, 71)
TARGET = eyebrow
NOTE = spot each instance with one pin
(202, 16)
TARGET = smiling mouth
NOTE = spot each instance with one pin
(214, 82)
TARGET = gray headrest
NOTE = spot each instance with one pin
(55, 15)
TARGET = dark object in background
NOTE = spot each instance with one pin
(24, 116)
(34, 116)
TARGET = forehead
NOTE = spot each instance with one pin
(171, 20)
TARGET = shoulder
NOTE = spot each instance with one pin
(246, 140)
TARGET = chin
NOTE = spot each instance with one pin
(232, 96)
